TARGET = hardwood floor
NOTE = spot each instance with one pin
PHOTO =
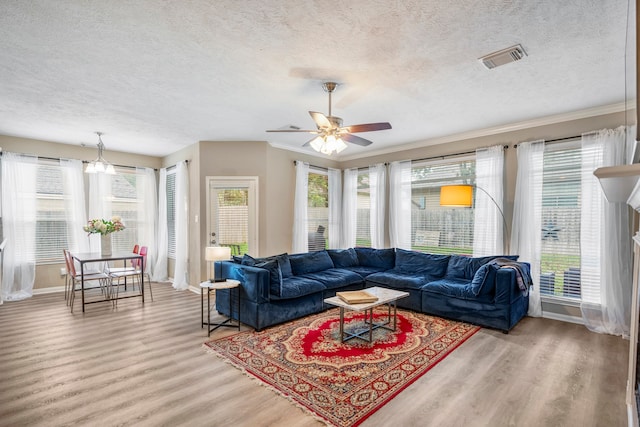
(145, 366)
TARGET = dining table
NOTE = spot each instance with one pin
(84, 258)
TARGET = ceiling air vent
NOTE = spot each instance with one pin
(504, 56)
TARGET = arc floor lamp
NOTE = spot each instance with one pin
(461, 196)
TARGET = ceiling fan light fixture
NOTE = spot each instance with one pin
(317, 143)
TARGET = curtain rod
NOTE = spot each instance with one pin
(313, 166)
(57, 159)
(415, 160)
(453, 155)
(551, 141)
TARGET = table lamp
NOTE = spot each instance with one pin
(216, 253)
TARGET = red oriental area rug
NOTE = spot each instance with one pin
(343, 383)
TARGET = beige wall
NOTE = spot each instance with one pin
(276, 175)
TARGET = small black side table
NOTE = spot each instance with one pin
(211, 287)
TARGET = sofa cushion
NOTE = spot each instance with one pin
(310, 262)
(282, 259)
(285, 265)
(418, 262)
(294, 287)
(365, 271)
(248, 260)
(455, 288)
(275, 275)
(464, 267)
(380, 258)
(398, 280)
(336, 278)
(459, 267)
(484, 280)
(343, 257)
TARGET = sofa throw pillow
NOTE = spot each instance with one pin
(483, 280)
(380, 258)
(282, 259)
(310, 262)
(284, 264)
(248, 260)
(460, 267)
(236, 259)
(478, 262)
(418, 262)
(275, 276)
(343, 257)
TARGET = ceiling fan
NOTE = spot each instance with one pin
(331, 135)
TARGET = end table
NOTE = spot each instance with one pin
(211, 287)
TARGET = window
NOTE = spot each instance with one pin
(129, 188)
(561, 190)
(318, 210)
(51, 224)
(436, 229)
(171, 212)
(363, 206)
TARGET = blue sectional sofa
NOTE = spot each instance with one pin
(285, 287)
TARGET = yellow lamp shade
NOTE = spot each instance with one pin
(456, 196)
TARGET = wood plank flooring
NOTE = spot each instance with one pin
(145, 366)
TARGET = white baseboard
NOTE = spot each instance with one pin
(562, 317)
(51, 290)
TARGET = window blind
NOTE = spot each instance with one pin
(561, 214)
(318, 210)
(363, 207)
(51, 224)
(171, 212)
(233, 219)
(434, 228)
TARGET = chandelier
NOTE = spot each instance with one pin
(100, 165)
(327, 144)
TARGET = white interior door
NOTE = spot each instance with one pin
(232, 213)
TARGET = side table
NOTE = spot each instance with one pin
(211, 287)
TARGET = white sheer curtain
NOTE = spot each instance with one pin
(300, 234)
(74, 204)
(605, 239)
(19, 173)
(335, 207)
(100, 199)
(488, 236)
(400, 204)
(159, 270)
(147, 218)
(377, 192)
(526, 236)
(181, 272)
(349, 208)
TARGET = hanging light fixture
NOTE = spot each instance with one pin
(327, 144)
(100, 165)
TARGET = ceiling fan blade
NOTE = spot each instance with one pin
(355, 139)
(368, 127)
(320, 119)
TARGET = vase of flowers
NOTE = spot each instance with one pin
(104, 228)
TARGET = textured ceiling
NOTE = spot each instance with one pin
(156, 76)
